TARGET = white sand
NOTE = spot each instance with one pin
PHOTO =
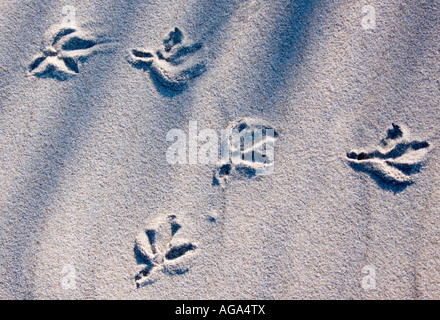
(83, 167)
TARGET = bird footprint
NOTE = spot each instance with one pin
(247, 151)
(394, 161)
(59, 60)
(174, 65)
(159, 250)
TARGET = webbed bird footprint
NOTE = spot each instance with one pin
(175, 64)
(395, 160)
(247, 151)
(159, 249)
(60, 59)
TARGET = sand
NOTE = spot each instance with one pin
(90, 208)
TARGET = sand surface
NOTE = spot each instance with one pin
(90, 208)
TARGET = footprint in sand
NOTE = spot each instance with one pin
(247, 152)
(395, 161)
(160, 250)
(59, 60)
(174, 65)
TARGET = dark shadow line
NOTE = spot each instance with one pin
(382, 181)
(42, 177)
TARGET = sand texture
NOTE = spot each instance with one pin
(110, 190)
